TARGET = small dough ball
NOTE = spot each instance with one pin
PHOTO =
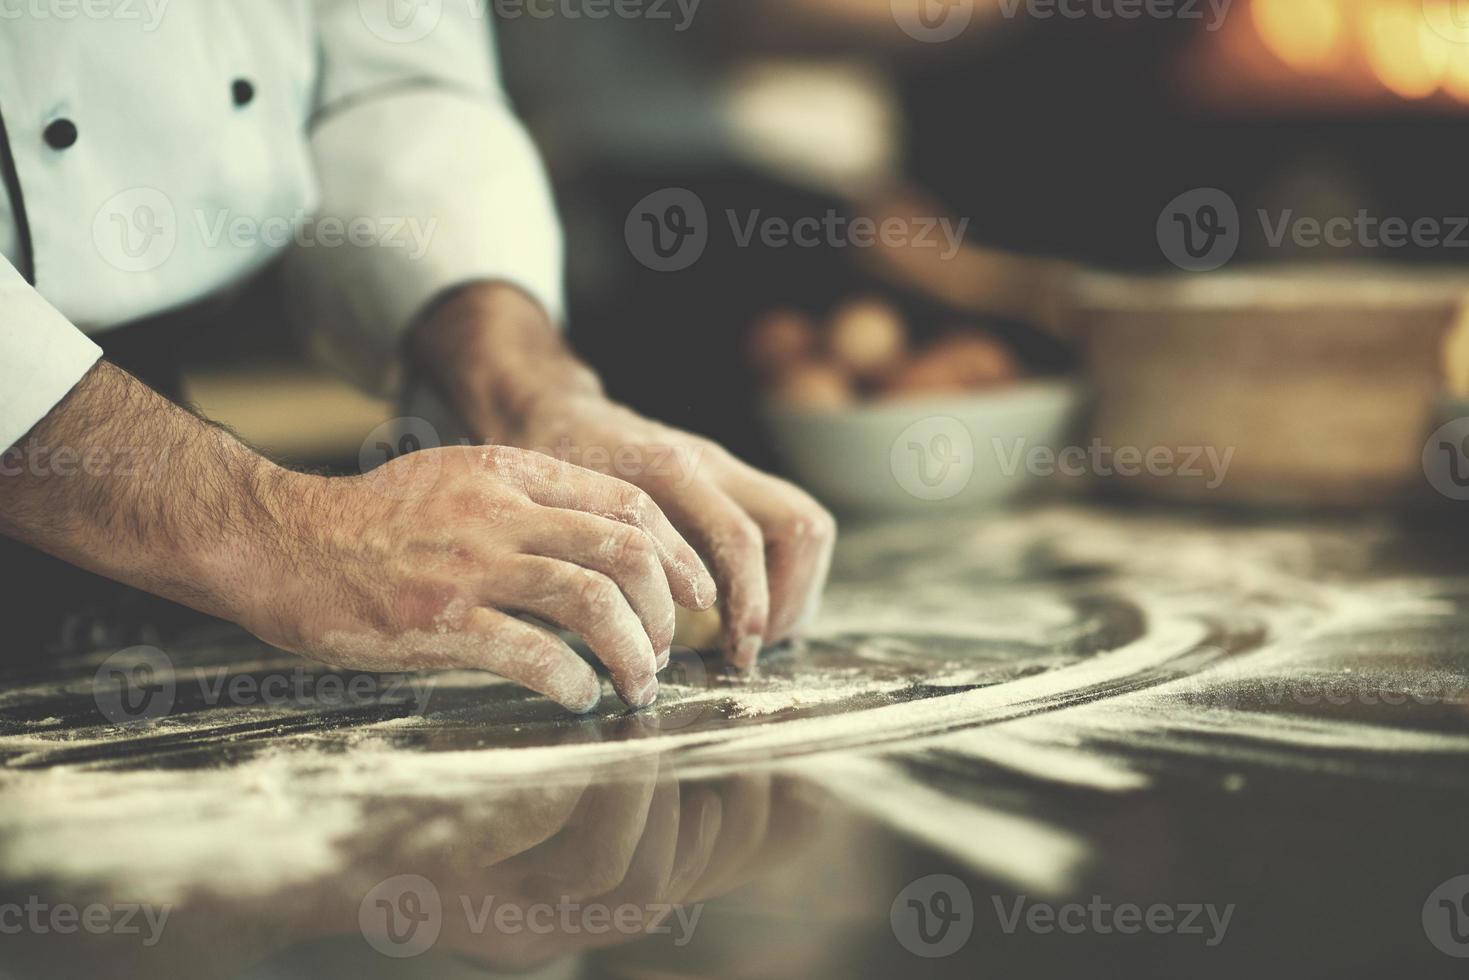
(923, 376)
(815, 384)
(781, 339)
(697, 630)
(958, 363)
(1456, 354)
(979, 360)
(869, 337)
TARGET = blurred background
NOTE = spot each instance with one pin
(1058, 136)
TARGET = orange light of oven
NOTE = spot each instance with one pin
(1405, 53)
(1308, 35)
(1456, 76)
(1449, 20)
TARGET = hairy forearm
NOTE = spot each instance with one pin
(120, 481)
(495, 354)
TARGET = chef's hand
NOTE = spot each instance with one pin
(424, 562)
(495, 354)
(419, 564)
(768, 543)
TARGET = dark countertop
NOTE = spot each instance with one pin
(1131, 744)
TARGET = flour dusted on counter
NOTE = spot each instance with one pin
(1063, 648)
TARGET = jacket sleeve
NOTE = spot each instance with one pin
(427, 181)
(42, 356)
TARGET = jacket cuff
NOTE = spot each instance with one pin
(42, 357)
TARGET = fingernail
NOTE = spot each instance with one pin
(586, 705)
(748, 652)
(646, 694)
(706, 593)
(664, 658)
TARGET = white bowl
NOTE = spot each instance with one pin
(924, 455)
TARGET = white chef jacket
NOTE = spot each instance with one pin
(159, 151)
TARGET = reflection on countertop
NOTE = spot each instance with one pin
(1052, 707)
